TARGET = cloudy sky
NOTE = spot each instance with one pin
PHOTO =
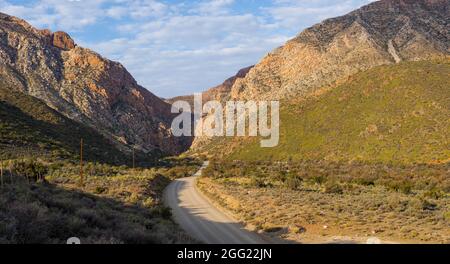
(176, 47)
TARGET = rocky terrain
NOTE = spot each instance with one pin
(85, 87)
(389, 114)
(219, 92)
(383, 32)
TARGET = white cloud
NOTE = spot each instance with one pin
(70, 15)
(213, 7)
(301, 13)
(190, 53)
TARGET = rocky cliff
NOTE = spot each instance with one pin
(84, 86)
(383, 32)
(220, 92)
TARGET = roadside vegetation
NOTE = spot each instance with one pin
(44, 202)
(43, 198)
(323, 202)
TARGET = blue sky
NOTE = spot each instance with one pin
(176, 47)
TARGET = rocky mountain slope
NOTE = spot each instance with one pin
(219, 92)
(389, 114)
(383, 32)
(85, 87)
(222, 91)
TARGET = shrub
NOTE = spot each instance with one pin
(100, 190)
(333, 187)
(318, 179)
(447, 216)
(31, 169)
(434, 194)
(259, 182)
(293, 182)
(401, 186)
(164, 212)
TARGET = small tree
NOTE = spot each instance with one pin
(30, 169)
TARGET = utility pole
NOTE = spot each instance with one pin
(134, 164)
(1, 173)
(10, 172)
(81, 164)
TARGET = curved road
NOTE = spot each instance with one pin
(202, 220)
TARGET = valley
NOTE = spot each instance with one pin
(363, 154)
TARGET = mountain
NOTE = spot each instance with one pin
(28, 127)
(219, 92)
(390, 114)
(85, 87)
(381, 33)
(222, 91)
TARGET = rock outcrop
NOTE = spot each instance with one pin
(85, 87)
(383, 32)
(62, 40)
(222, 91)
(219, 93)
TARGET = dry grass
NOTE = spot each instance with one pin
(116, 205)
(321, 209)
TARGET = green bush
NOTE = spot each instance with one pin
(447, 216)
(401, 186)
(319, 179)
(258, 182)
(333, 187)
(30, 169)
(434, 194)
(100, 190)
(293, 181)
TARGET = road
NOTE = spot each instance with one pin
(201, 219)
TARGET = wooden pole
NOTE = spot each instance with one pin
(81, 163)
(10, 172)
(1, 173)
(134, 164)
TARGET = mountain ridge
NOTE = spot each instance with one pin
(376, 116)
(383, 32)
(29, 128)
(219, 92)
(85, 87)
